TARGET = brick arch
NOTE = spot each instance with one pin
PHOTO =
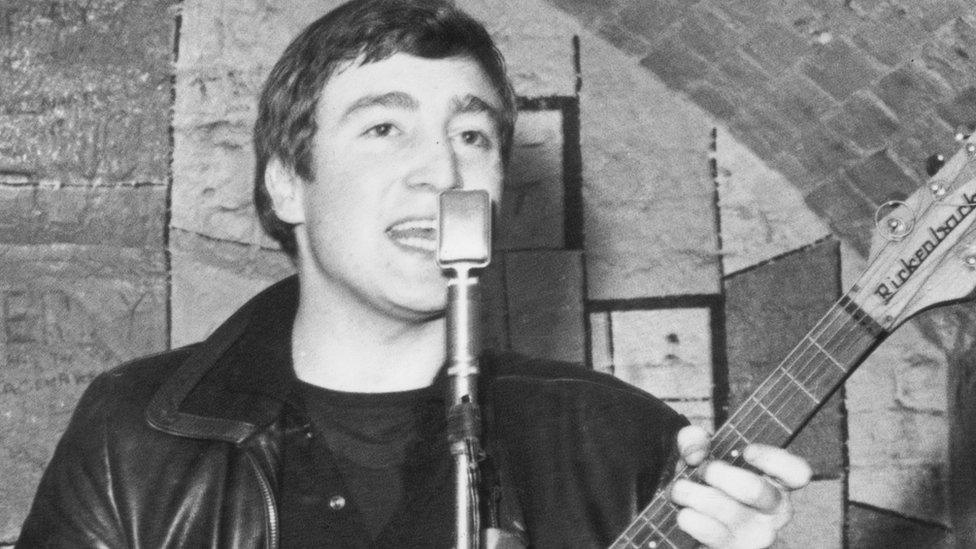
(846, 99)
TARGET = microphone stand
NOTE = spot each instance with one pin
(464, 243)
(463, 413)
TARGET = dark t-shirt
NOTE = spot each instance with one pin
(373, 437)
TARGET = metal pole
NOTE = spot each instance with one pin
(464, 418)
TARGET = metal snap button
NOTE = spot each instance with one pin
(337, 503)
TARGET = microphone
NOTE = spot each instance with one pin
(463, 245)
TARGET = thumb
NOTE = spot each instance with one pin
(693, 443)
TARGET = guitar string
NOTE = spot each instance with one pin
(832, 351)
(838, 312)
(843, 314)
(829, 348)
(781, 373)
(828, 344)
(636, 537)
(745, 433)
(824, 349)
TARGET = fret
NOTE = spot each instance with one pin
(643, 533)
(741, 435)
(796, 382)
(859, 315)
(786, 428)
(656, 542)
(728, 443)
(826, 354)
(771, 414)
(671, 538)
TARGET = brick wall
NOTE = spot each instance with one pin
(85, 98)
(847, 99)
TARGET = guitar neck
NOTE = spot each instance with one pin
(775, 412)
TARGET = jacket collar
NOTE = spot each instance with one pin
(238, 379)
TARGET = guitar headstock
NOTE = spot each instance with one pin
(924, 251)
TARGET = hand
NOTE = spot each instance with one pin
(737, 509)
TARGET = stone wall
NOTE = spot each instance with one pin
(684, 209)
(85, 101)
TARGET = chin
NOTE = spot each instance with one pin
(422, 305)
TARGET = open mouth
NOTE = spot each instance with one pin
(415, 234)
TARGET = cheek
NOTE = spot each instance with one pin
(488, 176)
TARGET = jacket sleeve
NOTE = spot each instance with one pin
(74, 505)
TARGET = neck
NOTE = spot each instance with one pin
(341, 344)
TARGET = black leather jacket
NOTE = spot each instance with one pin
(183, 449)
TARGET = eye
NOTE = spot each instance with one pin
(475, 138)
(381, 130)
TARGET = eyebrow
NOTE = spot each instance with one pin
(467, 104)
(393, 99)
(472, 104)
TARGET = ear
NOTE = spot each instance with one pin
(287, 191)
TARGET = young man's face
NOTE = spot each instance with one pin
(391, 135)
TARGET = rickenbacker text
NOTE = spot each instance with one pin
(887, 289)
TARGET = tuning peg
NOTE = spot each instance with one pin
(894, 220)
(934, 163)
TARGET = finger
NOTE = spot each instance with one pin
(743, 486)
(704, 528)
(788, 469)
(693, 444)
(710, 502)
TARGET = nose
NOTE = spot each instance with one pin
(436, 166)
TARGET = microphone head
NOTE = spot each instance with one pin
(464, 229)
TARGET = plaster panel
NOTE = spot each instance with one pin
(648, 248)
(768, 310)
(601, 349)
(666, 352)
(910, 491)
(67, 313)
(818, 519)
(211, 279)
(761, 214)
(536, 40)
(545, 304)
(650, 227)
(869, 527)
(531, 215)
(897, 425)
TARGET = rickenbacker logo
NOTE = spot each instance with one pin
(887, 289)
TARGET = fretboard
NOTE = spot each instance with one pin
(773, 414)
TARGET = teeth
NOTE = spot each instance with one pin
(423, 224)
(426, 244)
(415, 233)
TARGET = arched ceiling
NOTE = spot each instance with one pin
(847, 98)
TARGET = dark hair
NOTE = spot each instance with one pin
(370, 31)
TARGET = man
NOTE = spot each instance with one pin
(315, 415)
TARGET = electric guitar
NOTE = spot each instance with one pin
(923, 255)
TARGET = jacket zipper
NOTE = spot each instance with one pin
(269, 502)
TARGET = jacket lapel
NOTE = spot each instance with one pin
(237, 380)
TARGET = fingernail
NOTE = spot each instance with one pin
(694, 454)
